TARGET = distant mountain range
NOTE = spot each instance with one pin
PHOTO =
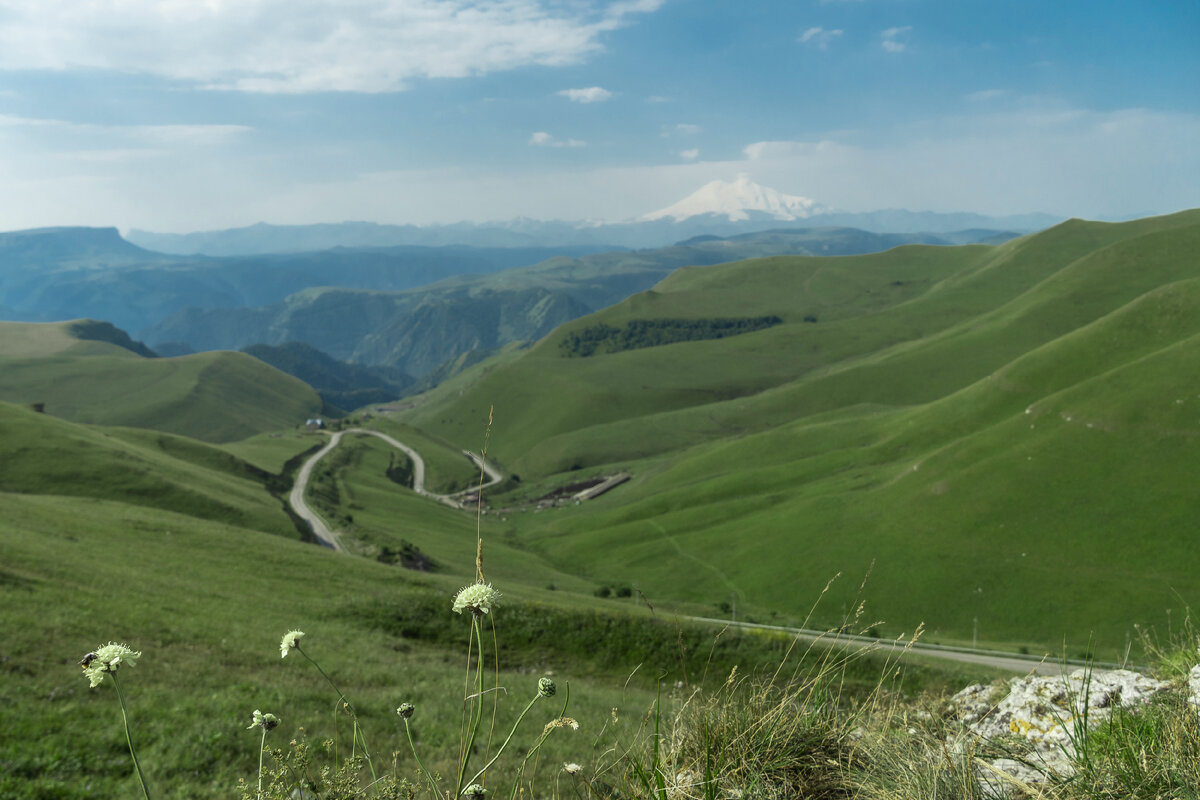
(418, 330)
(719, 208)
(51, 274)
(421, 313)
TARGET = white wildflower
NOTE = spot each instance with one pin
(291, 639)
(264, 721)
(478, 598)
(107, 659)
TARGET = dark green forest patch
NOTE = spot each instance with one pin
(640, 333)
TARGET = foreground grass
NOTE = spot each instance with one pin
(207, 602)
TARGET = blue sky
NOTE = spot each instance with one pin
(179, 115)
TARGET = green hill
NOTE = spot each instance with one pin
(343, 386)
(215, 397)
(1002, 432)
(420, 330)
(42, 455)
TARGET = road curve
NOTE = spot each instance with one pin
(324, 535)
(329, 538)
(990, 658)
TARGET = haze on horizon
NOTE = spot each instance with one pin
(180, 116)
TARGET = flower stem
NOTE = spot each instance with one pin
(517, 724)
(128, 739)
(538, 744)
(261, 747)
(477, 712)
(356, 737)
(425, 772)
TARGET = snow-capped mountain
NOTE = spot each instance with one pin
(735, 200)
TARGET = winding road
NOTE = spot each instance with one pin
(992, 658)
(330, 538)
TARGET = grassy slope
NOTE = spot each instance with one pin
(893, 431)
(206, 603)
(40, 454)
(217, 397)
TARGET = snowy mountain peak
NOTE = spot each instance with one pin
(734, 199)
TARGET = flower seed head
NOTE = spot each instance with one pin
(406, 710)
(546, 687)
(290, 639)
(572, 768)
(478, 598)
(475, 791)
(107, 659)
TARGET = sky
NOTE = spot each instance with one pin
(185, 115)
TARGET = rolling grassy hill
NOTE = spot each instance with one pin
(216, 397)
(42, 455)
(166, 543)
(419, 330)
(1002, 432)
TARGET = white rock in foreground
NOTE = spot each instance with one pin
(1050, 713)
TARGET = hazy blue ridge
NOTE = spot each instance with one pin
(420, 330)
(263, 238)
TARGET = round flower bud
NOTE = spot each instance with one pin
(546, 687)
(475, 791)
(406, 710)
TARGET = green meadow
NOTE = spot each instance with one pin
(206, 602)
(215, 397)
(999, 436)
(992, 441)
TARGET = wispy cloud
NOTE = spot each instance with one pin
(1042, 159)
(985, 95)
(766, 151)
(690, 155)
(543, 139)
(819, 37)
(891, 39)
(198, 135)
(682, 128)
(593, 94)
(297, 46)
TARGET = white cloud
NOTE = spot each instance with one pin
(306, 45)
(1058, 160)
(543, 139)
(1061, 160)
(890, 39)
(819, 37)
(193, 135)
(657, 98)
(764, 151)
(593, 94)
(690, 155)
(985, 95)
(687, 129)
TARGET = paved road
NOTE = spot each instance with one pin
(324, 535)
(1013, 662)
(330, 538)
(991, 658)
